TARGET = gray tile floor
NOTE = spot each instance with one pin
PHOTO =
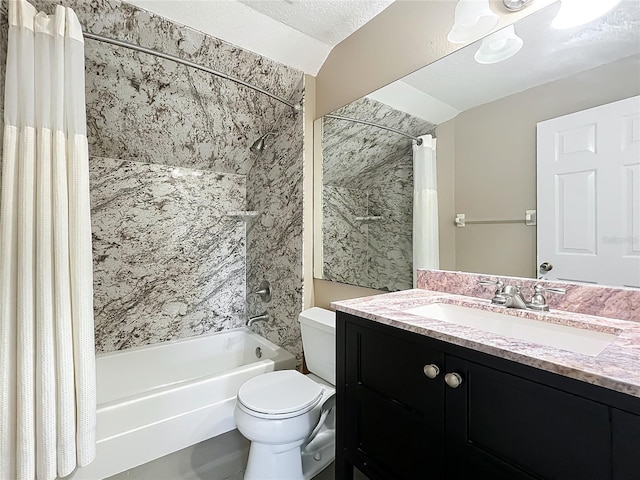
(220, 458)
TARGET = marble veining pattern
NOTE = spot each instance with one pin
(168, 261)
(148, 109)
(169, 150)
(601, 301)
(367, 252)
(345, 239)
(352, 152)
(391, 239)
(380, 165)
(617, 367)
(274, 237)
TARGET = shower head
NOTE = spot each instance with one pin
(258, 145)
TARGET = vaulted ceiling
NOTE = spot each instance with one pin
(298, 33)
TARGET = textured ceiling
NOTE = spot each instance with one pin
(297, 33)
(329, 21)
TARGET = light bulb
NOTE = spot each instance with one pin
(473, 19)
(499, 46)
(574, 13)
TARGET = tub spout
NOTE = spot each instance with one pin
(258, 318)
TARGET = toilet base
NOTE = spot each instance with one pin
(321, 455)
(274, 462)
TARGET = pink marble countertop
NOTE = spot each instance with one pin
(617, 367)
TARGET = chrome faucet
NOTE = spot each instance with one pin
(510, 296)
(506, 295)
(513, 297)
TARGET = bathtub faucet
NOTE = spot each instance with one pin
(258, 318)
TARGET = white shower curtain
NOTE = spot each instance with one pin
(425, 206)
(47, 357)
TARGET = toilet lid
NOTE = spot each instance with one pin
(284, 391)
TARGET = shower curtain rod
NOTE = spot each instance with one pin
(188, 63)
(371, 124)
(155, 53)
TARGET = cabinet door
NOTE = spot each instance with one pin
(626, 445)
(395, 415)
(502, 426)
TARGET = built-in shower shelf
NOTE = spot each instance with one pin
(369, 218)
(243, 214)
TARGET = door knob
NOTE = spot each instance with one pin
(431, 370)
(545, 267)
(454, 380)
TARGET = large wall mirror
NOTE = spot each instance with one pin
(484, 119)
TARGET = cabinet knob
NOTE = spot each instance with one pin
(454, 380)
(431, 370)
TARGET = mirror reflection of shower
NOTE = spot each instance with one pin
(367, 194)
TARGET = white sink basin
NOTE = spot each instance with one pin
(578, 340)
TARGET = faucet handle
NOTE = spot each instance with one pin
(540, 289)
(498, 298)
(264, 291)
(498, 283)
(538, 302)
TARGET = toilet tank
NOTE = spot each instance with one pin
(318, 328)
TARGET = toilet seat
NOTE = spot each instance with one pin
(278, 395)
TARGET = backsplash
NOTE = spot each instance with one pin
(603, 301)
(368, 172)
(169, 148)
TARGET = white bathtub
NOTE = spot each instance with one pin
(158, 399)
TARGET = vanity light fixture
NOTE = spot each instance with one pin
(499, 46)
(574, 13)
(516, 5)
(473, 19)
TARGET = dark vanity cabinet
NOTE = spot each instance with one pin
(411, 407)
(393, 418)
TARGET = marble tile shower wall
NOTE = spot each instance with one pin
(168, 261)
(274, 238)
(368, 171)
(169, 159)
(345, 239)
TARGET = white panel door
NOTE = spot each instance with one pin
(589, 195)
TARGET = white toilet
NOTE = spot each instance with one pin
(288, 416)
